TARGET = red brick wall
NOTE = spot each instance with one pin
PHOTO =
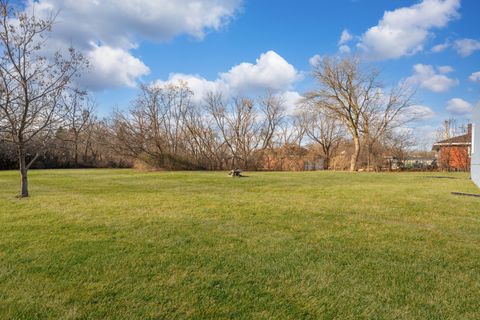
(454, 157)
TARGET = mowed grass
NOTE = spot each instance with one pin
(120, 244)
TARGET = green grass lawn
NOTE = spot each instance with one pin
(119, 244)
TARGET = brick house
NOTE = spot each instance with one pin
(455, 153)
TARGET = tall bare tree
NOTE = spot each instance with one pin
(154, 129)
(31, 82)
(345, 91)
(386, 112)
(203, 143)
(246, 126)
(353, 94)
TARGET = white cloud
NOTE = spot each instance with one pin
(345, 37)
(419, 112)
(425, 136)
(199, 85)
(315, 60)
(119, 23)
(475, 77)
(427, 77)
(466, 47)
(118, 27)
(114, 66)
(459, 106)
(344, 49)
(270, 72)
(405, 30)
(441, 47)
(291, 100)
(445, 69)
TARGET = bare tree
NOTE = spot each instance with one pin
(324, 130)
(400, 143)
(80, 109)
(272, 109)
(246, 127)
(386, 112)
(353, 95)
(154, 129)
(291, 131)
(345, 92)
(203, 143)
(31, 83)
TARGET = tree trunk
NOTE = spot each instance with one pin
(23, 171)
(76, 155)
(369, 153)
(356, 153)
(85, 154)
(76, 150)
(326, 163)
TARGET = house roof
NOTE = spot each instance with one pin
(463, 140)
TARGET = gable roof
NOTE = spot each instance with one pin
(463, 140)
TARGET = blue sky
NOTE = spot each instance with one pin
(433, 44)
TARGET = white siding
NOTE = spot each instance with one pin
(476, 145)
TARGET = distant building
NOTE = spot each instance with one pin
(476, 145)
(414, 163)
(420, 163)
(454, 153)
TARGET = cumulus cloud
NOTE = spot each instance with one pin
(419, 112)
(441, 47)
(425, 135)
(459, 106)
(315, 60)
(114, 66)
(291, 100)
(434, 80)
(445, 69)
(116, 27)
(118, 23)
(344, 49)
(405, 30)
(199, 85)
(465, 47)
(475, 77)
(345, 37)
(270, 72)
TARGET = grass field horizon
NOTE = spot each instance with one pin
(123, 244)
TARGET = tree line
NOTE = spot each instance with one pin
(350, 120)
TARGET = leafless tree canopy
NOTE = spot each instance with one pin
(246, 126)
(31, 83)
(352, 94)
(323, 129)
(349, 120)
(165, 129)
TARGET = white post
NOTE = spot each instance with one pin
(475, 149)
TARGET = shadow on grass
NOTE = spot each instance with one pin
(441, 177)
(466, 194)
